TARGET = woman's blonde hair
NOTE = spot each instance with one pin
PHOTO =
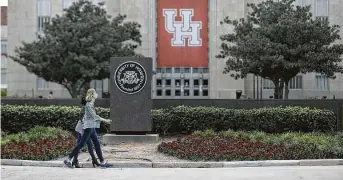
(90, 94)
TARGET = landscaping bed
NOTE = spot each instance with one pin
(39, 143)
(230, 146)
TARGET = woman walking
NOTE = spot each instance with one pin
(79, 133)
(90, 121)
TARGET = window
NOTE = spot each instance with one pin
(105, 85)
(168, 92)
(3, 64)
(67, 3)
(159, 92)
(186, 92)
(3, 77)
(186, 83)
(296, 82)
(96, 84)
(196, 92)
(43, 13)
(159, 82)
(187, 70)
(3, 47)
(206, 70)
(168, 70)
(323, 19)
(178, 92)
(168, 82)
(205, 92)
(205, 82)
(177, 82)
(322, 8)
(196, 83)
(268, 84)
(42, 84)
(322, 82)
(181, 82)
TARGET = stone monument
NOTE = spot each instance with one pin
(130, 100)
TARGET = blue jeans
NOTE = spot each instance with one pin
(89, 135)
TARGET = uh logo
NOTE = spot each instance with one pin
(184, 29)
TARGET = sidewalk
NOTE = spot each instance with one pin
(251, 173)
(132, 152)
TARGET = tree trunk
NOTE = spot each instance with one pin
(73, 91)
(282, 85)
(286, 89)
(86, 86)
(278, 90)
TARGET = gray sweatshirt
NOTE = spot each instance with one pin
(90, 119)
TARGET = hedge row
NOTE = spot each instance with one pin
(181, 119)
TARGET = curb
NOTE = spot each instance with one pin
(230, 164)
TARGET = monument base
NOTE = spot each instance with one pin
(117, 138)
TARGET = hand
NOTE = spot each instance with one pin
(108, 121)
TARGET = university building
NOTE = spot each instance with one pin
(184, 66)
(3, 47)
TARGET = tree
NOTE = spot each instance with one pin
(278, 40)
(76, 48)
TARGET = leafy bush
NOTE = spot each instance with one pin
(21, 118)
(3, 92)
(39, 143)
(181, 119)
(231, 145)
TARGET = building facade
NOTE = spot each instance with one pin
(192, 72)
(3, 47)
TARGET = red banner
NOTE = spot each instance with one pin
(182, 30)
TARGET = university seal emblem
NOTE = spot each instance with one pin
(130, 77)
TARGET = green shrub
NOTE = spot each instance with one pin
(39, 143)
(181, 119)
(34, 133)
(230, 145)
(274, 120)
(15, 119)
(3, 92)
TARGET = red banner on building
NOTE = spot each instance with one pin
(182, 30)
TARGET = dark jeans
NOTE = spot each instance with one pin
(89, 135)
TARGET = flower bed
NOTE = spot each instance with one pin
(231, 146)
(40, 143)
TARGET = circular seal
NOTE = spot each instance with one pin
(130, 77)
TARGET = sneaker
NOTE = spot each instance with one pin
(67, 163)
(106, 164)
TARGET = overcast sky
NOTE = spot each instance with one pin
(3, 2)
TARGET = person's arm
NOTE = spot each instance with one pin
(96, 117)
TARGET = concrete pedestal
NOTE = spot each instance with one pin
(116, 138)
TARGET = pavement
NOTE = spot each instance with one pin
(240, 173)
(180, 164)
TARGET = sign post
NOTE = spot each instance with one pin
(130, 100)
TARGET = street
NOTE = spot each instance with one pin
(253, 173)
